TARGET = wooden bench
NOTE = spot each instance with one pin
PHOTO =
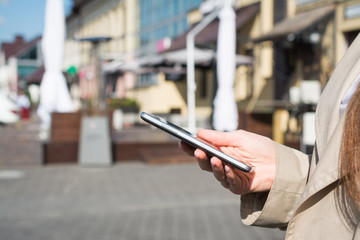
(166, 154)
(142, 143)
(62, 146)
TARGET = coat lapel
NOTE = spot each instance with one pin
(329, 125)
(327, 169)
(327, 114)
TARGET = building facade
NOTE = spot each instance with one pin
(163, 19)
(117, 20)
(154, 99)
(308, 39)
(293, 44)
(21, 64)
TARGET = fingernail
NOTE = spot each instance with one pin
(212, 163)
(227, 169)
(196, 153)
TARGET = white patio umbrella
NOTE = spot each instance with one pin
(225, 117)
(54, 94)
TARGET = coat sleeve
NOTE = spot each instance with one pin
(276, 207)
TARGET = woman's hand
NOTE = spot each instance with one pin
(250, 148)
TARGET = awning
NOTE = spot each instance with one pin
(297, 24)
(209, 33)
(137, 65)
(203, 57)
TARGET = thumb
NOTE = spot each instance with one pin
(220, 138)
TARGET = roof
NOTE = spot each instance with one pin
(28, 46)
(17, 47)
(297, 23)
(210, 32)
(11, 48)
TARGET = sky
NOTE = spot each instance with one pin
(24, 17)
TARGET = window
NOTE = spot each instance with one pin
(184, 24)
(281, 8)
(302, 2)
(165, 31)
(31, 54)
(352, 11)
(176, 7)
(162, 18)
(203, 85)
(175, 29)
(147, 79)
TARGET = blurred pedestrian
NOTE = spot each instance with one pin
(24, 104)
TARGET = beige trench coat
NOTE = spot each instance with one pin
(303, 198)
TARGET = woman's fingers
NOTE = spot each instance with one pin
(228, 178)
(200, 155)
(233, 181)
(230, 175)
(186, 148)
(218, 171)
(203, 160)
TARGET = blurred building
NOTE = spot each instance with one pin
(21, 64)
(308, 38)
(137, 30)
(161, 19)
(293, 47)
(164, 91)
(160, 22)
(117, 19)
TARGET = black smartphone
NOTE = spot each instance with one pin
(192, 139)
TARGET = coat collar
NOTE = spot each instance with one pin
(327, 169)
(329, 124)
(328, 112)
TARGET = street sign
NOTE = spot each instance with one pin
(95, 143)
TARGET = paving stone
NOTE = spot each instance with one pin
(128, 201)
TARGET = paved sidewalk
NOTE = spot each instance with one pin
(129, 201)
(20, 144)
